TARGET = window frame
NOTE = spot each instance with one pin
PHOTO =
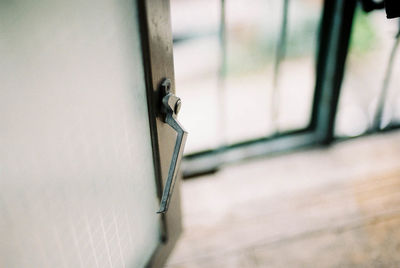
(156, 41)
(333, 44)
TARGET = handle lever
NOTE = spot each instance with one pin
(171, 105)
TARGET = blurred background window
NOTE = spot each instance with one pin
(252, 73)
(262, 77)
(245, 70)
(367, 68)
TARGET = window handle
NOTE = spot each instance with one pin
(170, 107)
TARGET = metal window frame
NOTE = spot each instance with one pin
(334, 35)
(156, 41)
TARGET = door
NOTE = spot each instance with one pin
(84, 148)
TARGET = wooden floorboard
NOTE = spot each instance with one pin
(336, 207)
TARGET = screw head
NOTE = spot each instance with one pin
(166, 85)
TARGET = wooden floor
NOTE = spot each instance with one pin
(336, 207)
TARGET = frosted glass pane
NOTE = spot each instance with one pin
(77, 185)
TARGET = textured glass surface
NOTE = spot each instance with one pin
(77, 184)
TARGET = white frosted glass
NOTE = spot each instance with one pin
(77, 185)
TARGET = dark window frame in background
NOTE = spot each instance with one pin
(333, 45)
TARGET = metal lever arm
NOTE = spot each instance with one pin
(170, 108)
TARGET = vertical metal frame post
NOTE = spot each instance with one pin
(156, 39)
(333, 49)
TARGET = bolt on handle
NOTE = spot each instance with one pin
(171, 105)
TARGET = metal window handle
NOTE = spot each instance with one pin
(171, 105)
